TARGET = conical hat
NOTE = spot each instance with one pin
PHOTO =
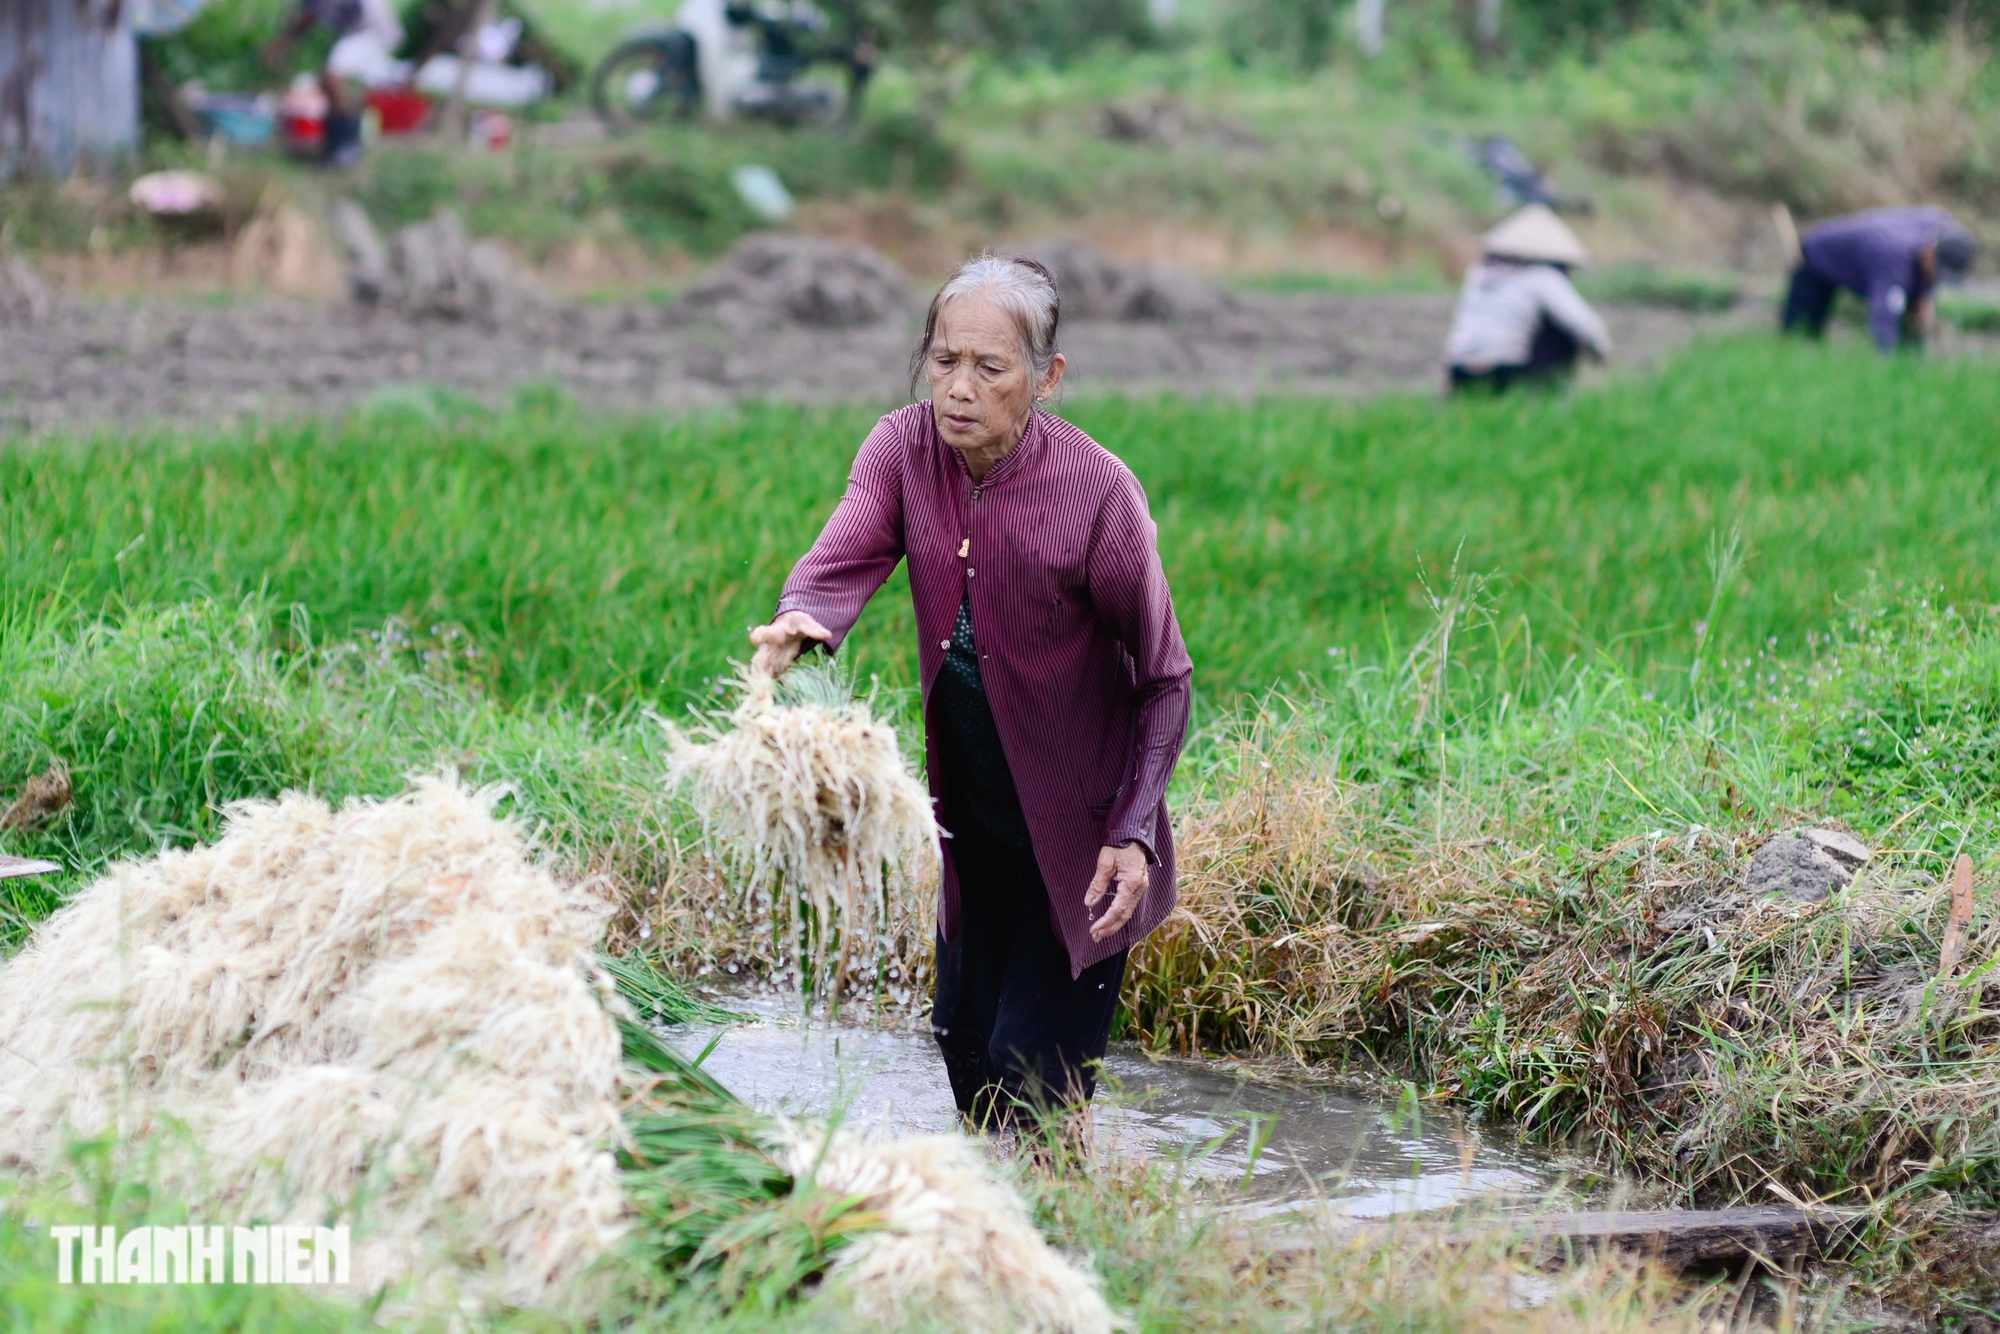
(1536, 234)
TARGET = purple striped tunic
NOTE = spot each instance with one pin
(1079, 651)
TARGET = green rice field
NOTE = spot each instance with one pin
(1550, 665)
(625, 559)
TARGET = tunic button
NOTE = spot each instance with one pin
(969, 572)
(945, 644)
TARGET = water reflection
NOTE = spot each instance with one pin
(1283, 1144)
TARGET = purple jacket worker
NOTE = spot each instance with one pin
(1055, 685)
(1892, 258)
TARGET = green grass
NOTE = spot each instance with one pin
(192, 620)
(1393, 284)
(1639, 285)
(1971, 315)
(624, 560)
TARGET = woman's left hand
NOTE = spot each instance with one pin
(1123, 870)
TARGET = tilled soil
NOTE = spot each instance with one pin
(80, 364)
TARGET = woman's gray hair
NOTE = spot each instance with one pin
(1022, 287)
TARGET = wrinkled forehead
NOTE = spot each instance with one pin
(975, 324)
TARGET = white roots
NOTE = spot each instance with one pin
(813, 803)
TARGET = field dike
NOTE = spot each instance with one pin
(390, 1016)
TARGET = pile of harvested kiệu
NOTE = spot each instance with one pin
(392, 1015)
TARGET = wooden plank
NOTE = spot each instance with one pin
(1687, 1237)
(11, 867)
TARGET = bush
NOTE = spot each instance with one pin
(1053, 30)
(904, 148)
(407, 183)
(676, 203)
(220, 47)
(1299, 32)
(1649, 287)
(1536, 33)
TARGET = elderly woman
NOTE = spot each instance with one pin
(1055, 685)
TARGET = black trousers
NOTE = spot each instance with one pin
(1018, 1034)
(1808, 301)
(1551, 356)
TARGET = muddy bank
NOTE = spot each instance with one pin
(82, 363)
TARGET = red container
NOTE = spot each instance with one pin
(402, 110)
(303, 133)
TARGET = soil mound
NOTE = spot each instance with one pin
(428, 268)
(1094, 286)
(24, 298)
(1806, 864)
(776, 278)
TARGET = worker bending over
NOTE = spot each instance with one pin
(1518, 318)
(1892, 258)
(366, 34)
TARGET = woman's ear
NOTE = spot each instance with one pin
(1047, 389)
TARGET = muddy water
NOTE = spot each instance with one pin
(1279, 1144)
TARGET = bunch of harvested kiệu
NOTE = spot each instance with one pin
(388, 1013)
(809, 796)
(391, 1014)
(911, 1232)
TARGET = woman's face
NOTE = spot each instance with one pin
(983, 386)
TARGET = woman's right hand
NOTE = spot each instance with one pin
(780, 643)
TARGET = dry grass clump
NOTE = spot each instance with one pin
(1636, 999)
(828, 833)
(1305, 902)
(386, 1014)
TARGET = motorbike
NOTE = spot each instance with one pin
(726, 59)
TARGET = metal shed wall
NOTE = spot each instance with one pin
(69, 85)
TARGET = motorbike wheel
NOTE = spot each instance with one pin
(645, 81)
